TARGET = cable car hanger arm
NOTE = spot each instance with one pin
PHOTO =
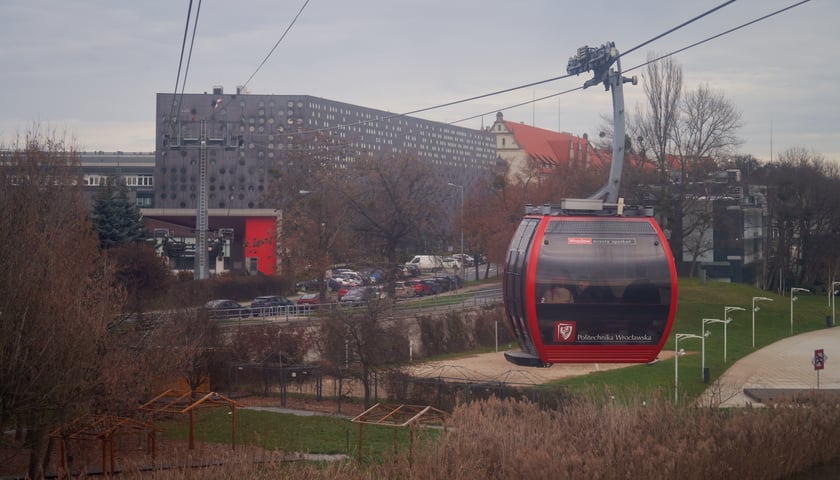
(599, 60)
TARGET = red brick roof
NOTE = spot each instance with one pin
(553, 148)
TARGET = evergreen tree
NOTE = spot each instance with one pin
(117, 219)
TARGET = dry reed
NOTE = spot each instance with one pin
(503, 439)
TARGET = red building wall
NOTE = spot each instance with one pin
(261, 244)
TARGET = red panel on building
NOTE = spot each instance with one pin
(260, 244)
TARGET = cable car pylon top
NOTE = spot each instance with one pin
(599, 60)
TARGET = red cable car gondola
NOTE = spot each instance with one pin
(589, 289)
(591, 280)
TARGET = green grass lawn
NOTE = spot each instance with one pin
(288, 433)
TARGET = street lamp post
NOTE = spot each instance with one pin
(755, 309)
(726, 321)
(677, 338)
(706, 334)
(833, 294)
(793, 298)
(462, 214)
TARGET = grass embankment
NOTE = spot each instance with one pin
(696, 302)
(288, 433)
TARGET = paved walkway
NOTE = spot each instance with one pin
(783, 366)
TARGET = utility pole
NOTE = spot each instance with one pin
(200, 272)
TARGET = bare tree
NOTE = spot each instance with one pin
(305, 187)
(697, 221)
(802, 200)
(56, 298)
(394, 200)
(707, 131)
(315, 232)
(684, 137)
(655, 126)
(190, 342)
(705, 139)
(141, 272)
(356, 341)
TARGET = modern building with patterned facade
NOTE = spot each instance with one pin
(247, 135)
(242, 137)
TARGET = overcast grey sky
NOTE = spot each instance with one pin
(91, 68)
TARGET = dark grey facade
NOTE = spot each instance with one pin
(247, 135)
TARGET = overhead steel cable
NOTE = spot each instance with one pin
(527, 85)
(636, 67)
(726, 32)
(687, 22)
(276, 44)
(519, 87)
(189, 56)
(181, 60)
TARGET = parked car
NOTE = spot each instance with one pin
(464, 259)
(269, 305)
(309, 299)
(434, 286)
(271, 301)
(343, 291)
(307, 285)
(223, 309)
(450, 282)
(456, 280)
(371, 275)
(350, 279)
(444, 284)
(403, 290)
(420, 289)
(410, 270)
(361, 295)
(426, 263)
(450, 263)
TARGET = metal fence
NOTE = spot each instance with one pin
(441, 303)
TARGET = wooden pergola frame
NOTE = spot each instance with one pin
(184, 402)
(103, 428)
(399, 416)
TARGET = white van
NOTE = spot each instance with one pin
(426, 263)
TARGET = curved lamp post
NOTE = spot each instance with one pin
(755, 309)
(705, 334)
(793, 298)
(726, 319)
(677, 338)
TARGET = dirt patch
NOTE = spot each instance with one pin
(492, 367)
